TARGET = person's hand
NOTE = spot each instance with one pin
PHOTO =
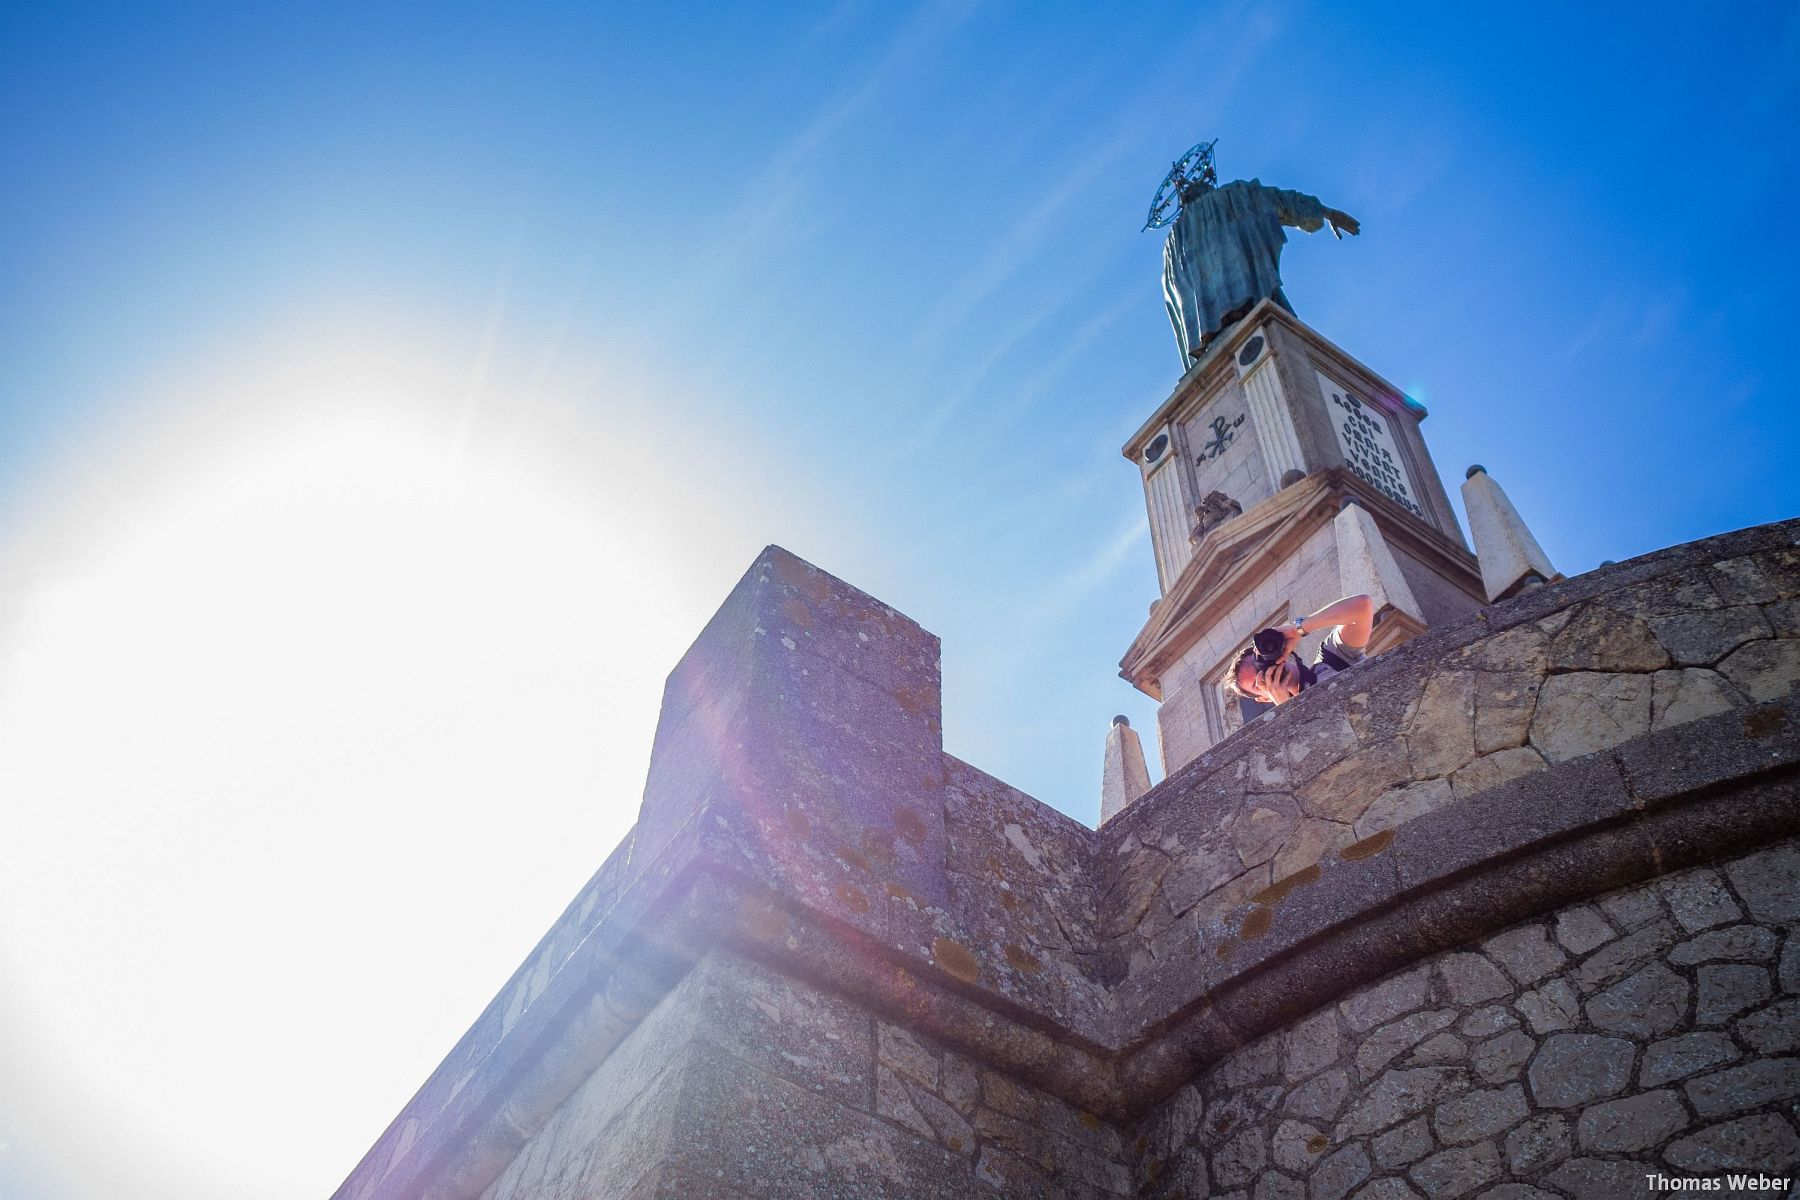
(1278, 684)
(1342, 223)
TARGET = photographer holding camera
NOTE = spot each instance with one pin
(1271, 673)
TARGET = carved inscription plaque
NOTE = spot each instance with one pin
(1368, 443)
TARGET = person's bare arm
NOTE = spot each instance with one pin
(1353, 616)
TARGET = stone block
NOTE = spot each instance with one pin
(1485, 1022)
(1773, 1030)
(1587, 711)
(1504, 702)
(1260, 829)
(1502, 1058)
(1678, 1057)
(1704, 637)
(1739, 1089)
(1541, 1142)
(1575, 1069)
(1550, 1008)
(1392, 997)
(1273, 1185)
(1452, 1173)
(1763, 1143)
(1769, 882)
(1297, 1146)
(1596, 637)
(1397, 806)
(1632, 907)
(1739, 943)
(1677, 697)
(1651, 1002)
(1391, 1040)
(1492, 770)
(1438, 1048)
(1789, 973)
(1517, 1191)
(1599, 1179)
(1322, 1097)
(1345, 790)
(1312, 1045)
(1699, 900)
(1526, 952)
(1239, 1160)
(1623, 956)
(1631, 1124)
(1441, 736)
(1727, 989)
(1403, 1144)
(1758, 578)
(1581, 929)
(1401, 1093)
(1764, 670)
(1317, 744)
(1341, 1171)
(1476, 1115)
(1391, 1188)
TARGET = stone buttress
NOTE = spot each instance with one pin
(1515, 906)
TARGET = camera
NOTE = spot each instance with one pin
(1268, 648)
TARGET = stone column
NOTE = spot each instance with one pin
(1366, 565)
(1510, 558)
(1125, 777)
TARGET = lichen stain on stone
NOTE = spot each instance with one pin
(1226, 947)
(1021, 961)
(1256, 924)
(853, 898)
(1009, 901)
(1316, 1143)
(1762, 722)
(854, 857)
(1278, 891)
(955, 959)
(797, 612)
(797, 823)
(912, 699)
(1090, 1121)
(878, 844)
(955, 1143)
(761, 919)
(802, 578)
(910, 825)
(1369, 847)
(900, 893)
(995, 867)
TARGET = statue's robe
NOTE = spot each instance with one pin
(1224, 254)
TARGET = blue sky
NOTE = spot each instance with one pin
(486, 345)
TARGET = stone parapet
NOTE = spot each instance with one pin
(833, 960)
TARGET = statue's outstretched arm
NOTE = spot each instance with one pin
(1342, 222)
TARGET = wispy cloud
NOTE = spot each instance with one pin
(1084, 579)
(1145, 113)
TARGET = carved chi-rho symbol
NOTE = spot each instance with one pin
(1222, 435)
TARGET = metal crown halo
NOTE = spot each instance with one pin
(1191, 174)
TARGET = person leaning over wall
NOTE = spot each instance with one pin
(1270, 672)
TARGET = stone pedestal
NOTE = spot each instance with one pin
(1292, 431)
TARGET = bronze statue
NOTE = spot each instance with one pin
(1224, 252)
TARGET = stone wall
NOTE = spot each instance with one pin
(1650, 1029)
(1498, 909)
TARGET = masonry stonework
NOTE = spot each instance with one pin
(1508, 912)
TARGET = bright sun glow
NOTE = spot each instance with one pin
(294, 689)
